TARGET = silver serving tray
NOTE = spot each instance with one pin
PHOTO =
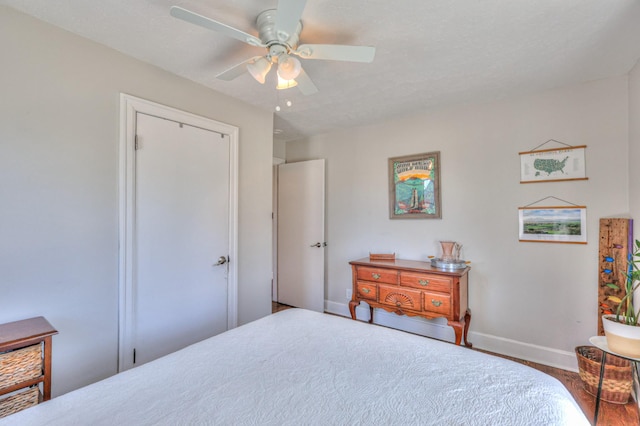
(448, 264)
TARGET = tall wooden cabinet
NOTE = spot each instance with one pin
(414, 288)
(25, 364)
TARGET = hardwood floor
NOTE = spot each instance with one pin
(610, 414)
(277, 307)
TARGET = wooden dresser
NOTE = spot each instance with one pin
(414, 288)
(25, 364)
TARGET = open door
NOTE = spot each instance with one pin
(301, 242)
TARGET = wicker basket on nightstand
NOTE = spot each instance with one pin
(19, 401)
(20, 365)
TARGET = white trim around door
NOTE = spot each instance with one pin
(129, 107)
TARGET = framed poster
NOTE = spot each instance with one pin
(553, 224)
(414, 186)
(552, 165)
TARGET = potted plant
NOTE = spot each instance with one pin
(622, 329)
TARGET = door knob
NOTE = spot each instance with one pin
(221, 261)
(316, 245)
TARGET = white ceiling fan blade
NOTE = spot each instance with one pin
(336, 52)
(287, 17)
(236, 70)
(203, 21)
(305, 84)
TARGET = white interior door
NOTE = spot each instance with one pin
(301, 234)
(181, 230)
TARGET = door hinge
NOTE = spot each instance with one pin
(136, 146)
(134, 356)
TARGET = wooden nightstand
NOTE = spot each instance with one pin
(25, 363)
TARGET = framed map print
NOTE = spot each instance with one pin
(551, 165)
(414, 186)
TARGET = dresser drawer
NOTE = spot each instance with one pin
(380, 275)
(426, 281)
(20, 365)
(367, 290)
(19, 400)
(399, 297)
(438, 303)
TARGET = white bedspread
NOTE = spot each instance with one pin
(299, 367)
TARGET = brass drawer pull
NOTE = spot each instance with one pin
(375, 276)
(423, 282)
(366, 290)
(436, 303)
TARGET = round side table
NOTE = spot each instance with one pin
(600, 342)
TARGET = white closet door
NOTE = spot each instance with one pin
(181, 230)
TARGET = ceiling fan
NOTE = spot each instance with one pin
(279, 32)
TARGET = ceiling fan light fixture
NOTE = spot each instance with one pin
(259, 69)
(285, 84)
(288, 67)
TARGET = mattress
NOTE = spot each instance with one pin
(301, 367)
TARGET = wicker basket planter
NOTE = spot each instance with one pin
(617, 381)
(20, 365)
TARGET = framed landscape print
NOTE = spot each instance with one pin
(553, 224)
(414, 186)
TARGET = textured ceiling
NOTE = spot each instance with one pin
(429, 53)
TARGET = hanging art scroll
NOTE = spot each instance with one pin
(553, 224)
(414, 186)
(552, 165)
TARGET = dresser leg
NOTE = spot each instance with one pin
(457, 329)
(461, 328)
(352, 308)
(370, 314)
(46, 385)
(467, 322)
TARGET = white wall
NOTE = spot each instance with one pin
(634, 155)
(59, 118)
(533, 300)
(279, 148)
(634, 146)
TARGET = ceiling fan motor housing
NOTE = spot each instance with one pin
(269, 35)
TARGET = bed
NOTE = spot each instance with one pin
(301, 367)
